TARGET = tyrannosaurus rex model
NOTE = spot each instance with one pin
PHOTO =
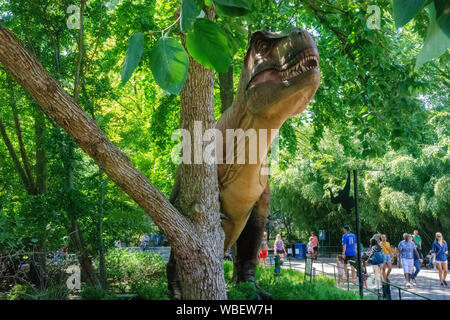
(279, 77)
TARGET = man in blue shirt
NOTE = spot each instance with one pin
(406, 249)
(349, 250)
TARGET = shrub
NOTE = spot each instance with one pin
(126, 268)
(151, 291)
(55, 292)
(21, 292)
(228, 270)
(93, 293)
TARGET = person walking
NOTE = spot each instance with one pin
(315, 245)
(417, 240)
(263, 249)
(377, 237)
(349, 251)
(376, 259)
(278, 247)
(340, 269)
(406, 252)
(417, 263)
(440, 256)
(388, 257)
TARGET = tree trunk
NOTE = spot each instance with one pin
(201, 273)
(101, 249)
(226, 89)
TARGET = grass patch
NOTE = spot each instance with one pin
(289, 285)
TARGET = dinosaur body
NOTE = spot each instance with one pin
(279, 77)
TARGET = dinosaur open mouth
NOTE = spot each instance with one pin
(286, 71)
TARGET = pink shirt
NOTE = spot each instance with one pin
(314, 240)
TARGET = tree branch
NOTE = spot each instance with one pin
(23, 154)
(17, 165)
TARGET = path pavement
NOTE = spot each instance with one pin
(428, 284)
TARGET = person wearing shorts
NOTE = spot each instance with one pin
(349, 251)
(388, 257)
(278, 247)
(406, 249)
(440, 257)
(263, 249)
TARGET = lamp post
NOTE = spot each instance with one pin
(358, 233)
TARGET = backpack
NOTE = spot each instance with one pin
(377, 257)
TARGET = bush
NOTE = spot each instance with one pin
(139, 269)
(152, 291)
(93, 293)
(21, 292)
(228, 270)
(55, 292)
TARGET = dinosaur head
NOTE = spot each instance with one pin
(280, 73)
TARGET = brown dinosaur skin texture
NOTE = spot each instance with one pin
(265, 99)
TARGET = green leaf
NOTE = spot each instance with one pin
(189, 12)
(436, 42)
(443, 15)
(405, 10)
(208, 45)
(233, 8)
(169, 64)
(133, 56)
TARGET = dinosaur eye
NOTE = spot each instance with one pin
(261, 46)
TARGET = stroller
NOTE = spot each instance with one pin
(428, 261)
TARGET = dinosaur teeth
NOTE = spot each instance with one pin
(300, 67)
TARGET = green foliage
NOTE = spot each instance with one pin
(233, 8)
(228, 270)
(437, 41)
(190, 9)
(208, 45)
(21, 292)
(138, 269)
(156, 290)
(55, 292)
(134, 54)
(289, 285)
(93, 293)
(169, 64)
(405, 10)
(242, 291)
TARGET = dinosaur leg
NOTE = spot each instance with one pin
(173, 281)
(248, 243)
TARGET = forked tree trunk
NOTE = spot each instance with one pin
(196, 237)
(198, 197)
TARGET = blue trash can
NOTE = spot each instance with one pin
(300, 251)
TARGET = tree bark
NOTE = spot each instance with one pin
(226, 89)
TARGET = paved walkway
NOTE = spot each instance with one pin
(428, 284)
